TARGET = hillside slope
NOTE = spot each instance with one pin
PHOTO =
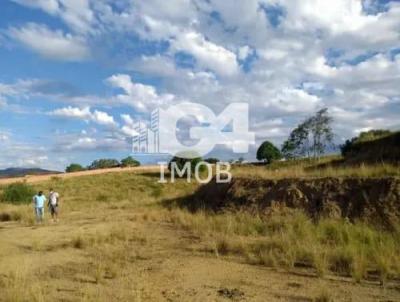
(381, 149)
(373, 200)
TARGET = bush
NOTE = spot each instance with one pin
(18, 193)
(74, 168)
(104, 163)
(180, 163)
(129, 162)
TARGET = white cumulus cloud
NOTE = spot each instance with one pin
(141, 97)
(98, 117)
(209, 54)
(52, 44)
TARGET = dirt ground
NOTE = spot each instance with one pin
(153, 261)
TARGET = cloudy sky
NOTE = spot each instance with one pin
(76, 74)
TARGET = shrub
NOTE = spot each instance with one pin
(74, 168)
(104, 164)
(180, 163)
(129, 162)
(18, 193)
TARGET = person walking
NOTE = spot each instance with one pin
(54, 199)
(38, 203)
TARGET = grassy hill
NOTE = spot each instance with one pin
(124, 236)
(374, 148)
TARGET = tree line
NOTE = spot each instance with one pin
(313, 137)
(104, 163)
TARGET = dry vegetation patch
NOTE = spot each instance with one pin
(288, 239)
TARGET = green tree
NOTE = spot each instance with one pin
(104, 163)
(74, 168)
(298, 143)
(311, 137)
(129, 162)
(288, 148)
(268, 152)
(321, 132)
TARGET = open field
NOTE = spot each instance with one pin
(122, 237)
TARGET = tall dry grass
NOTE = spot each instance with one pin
(21, 285)
(20, 213)
(305, 170)
(290, 239)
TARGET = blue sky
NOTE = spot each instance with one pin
(76, 75)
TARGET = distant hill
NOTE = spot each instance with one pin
(19, 172)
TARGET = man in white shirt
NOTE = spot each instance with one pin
(54, 199)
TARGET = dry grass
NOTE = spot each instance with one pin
(107, 244)
(324, 296)
(290, 239)
(108, 257)
(21, 213)
(315, 169)
(20, 285)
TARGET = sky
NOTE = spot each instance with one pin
(75, 75)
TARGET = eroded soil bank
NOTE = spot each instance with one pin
(374, 200)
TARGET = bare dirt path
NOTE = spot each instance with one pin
(41, 178)
(145, 258)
